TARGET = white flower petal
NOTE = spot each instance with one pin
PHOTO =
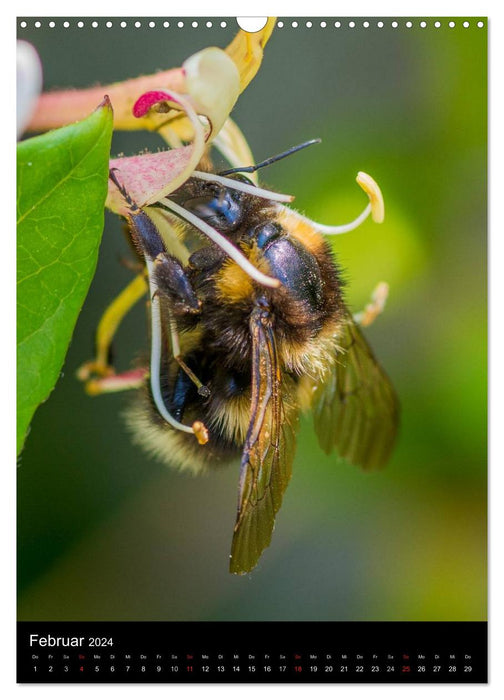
(29, 83)
(213, 84)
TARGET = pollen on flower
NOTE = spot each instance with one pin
(372, 190)
(200, 431)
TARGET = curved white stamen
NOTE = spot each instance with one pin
(198, 145)
(223, 243)
(375, 207)
(155, 361)
(243, 187)
(333, 230)
(344, 228)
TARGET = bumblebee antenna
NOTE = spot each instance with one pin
(273, 159)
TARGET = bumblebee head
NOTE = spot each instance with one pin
(221, 207)
(224, 200)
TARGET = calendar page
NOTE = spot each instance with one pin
(252, 404)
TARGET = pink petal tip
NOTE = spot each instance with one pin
(148, 100)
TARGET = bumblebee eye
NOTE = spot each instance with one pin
(265, 234)
(202, 207)
(222, 209)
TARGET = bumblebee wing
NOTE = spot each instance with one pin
(266, 464)
(356, 409)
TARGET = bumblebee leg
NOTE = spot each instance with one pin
(372, 310)
(203, 390)
(168, 280)
(107, 328)
(174, 285)
(177, 356)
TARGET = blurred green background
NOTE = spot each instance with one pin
(105, 533)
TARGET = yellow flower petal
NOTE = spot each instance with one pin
(246, 50)
(231, 142)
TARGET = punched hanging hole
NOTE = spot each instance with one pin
(251, 24)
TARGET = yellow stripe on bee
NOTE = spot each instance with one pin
(303, 231)
(233, 284)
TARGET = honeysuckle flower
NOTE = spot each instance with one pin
(150, 176)
(29, 83)
(188, 106)
(62, 107)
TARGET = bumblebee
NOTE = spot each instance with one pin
(249, 328)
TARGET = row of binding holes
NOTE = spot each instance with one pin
(294, 24)
(366, 24)
(137, 24)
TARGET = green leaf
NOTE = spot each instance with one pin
(61, 188)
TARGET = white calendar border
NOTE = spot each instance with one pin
(344, 8)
